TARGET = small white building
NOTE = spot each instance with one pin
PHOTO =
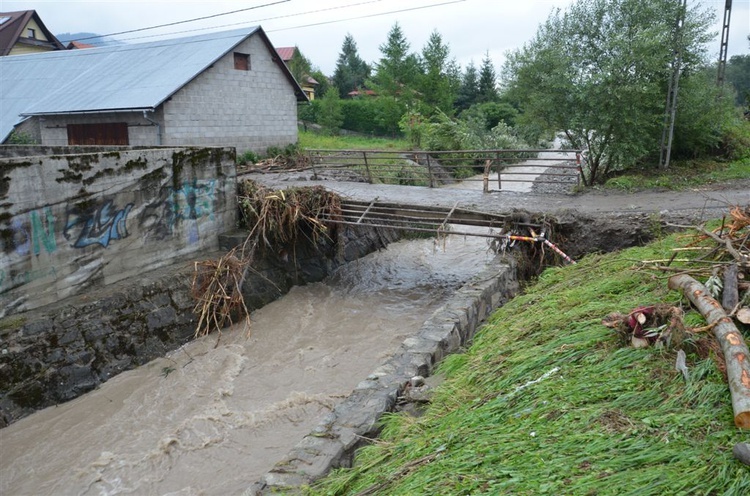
(220, 89)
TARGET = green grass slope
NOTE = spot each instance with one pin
(549, 401)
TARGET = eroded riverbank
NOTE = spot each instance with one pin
(212, 419)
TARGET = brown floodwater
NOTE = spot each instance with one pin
(210, 419)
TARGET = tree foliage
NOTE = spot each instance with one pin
(738, 74)
(300, 66)
(351, 71)
(330, 115)
(440, 75)
(599, 71)
(397, 72)
(487, 80)
(468, 91)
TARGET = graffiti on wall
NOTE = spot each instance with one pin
(31, 232)
(100, 225)
(192, 202)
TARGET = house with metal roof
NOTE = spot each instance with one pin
(227, 88)
(24, 32)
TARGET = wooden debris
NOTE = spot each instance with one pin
(730, 296)
(736, 353)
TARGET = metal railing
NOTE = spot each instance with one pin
(437, 168)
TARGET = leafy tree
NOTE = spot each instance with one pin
(397, 71)
(490, 114)
(351, 71)
(299, 66)
(599, 71)
(468, 91)
(322, 80)
(487, 80)
(330, 116)
(738, 74)
(439, 82)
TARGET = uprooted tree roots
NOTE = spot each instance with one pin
(275, 219)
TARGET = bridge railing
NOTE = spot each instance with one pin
(438, 168)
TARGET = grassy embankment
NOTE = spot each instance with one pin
(682, 175)
(549, 401)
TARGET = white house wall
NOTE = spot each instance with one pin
(223, 106)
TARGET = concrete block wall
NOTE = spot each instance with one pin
(76, 222)
(223, 106)
(53, 130)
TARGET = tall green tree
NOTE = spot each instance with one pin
(351, 71)
(487, 80)
(439, 82)
(330, 115)
(599, 71)
(468, 92)
(397, 71)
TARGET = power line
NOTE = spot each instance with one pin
(367, 16)
(226, 25)
(185, 21)
(305, 13)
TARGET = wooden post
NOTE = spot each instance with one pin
(429, 169)
(497, 161)
(367, 167)
(312, 166)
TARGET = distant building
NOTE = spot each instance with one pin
(24, 32)
(220, 89)
(75, 45)
(308, 84)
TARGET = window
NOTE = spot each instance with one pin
(31, 33)
(114, 133)
(241, 61)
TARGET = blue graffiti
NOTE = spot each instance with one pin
(195, 200)
(30, 235)
(101, 226)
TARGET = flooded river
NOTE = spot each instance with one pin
(210, 420)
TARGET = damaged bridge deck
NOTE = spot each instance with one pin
(419, 218)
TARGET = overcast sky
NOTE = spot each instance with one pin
(470, 27)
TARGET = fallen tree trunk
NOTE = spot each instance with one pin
(736, 354)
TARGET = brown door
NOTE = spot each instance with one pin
(111, 133)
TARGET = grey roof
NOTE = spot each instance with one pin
(127, 77)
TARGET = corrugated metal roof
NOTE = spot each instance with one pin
(124, 77)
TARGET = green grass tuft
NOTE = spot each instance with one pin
(547, 401)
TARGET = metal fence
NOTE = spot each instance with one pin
(438, 168)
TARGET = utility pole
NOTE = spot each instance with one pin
(724, 43)
(671, 110)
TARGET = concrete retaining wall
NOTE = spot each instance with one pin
(55, 354)
(70, 223)
(333, 443)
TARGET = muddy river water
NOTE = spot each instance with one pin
(210, 419)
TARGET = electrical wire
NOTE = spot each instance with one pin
(257, 21)
(183, 22)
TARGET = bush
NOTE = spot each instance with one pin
(249, 157)
(736, 140)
